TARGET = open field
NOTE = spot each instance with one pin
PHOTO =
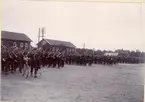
(98, 83)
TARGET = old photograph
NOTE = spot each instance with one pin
(63, 51)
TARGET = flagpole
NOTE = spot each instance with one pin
(84, 45)
(39, 35)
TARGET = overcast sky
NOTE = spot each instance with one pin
(99, 25)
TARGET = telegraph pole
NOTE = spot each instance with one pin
(84, 46)
(93, 51)
(39, 35)
(43, 32)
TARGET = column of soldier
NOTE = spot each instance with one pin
(13, 60)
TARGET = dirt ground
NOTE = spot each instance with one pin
(98, 83)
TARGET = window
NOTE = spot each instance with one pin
(14, 44)
(67, 49)
(73, 50)
(55, 48)
(21, 45)
(52, 48)
(26, 44)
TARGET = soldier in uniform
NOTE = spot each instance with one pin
(37, 62)
(54, 61)
(14, 63)
(3, 62)
(6, 58)
(21, 61)
(62, 61)
(90, 61)
(32, 60)
(9, 62)
(58, 61)
(43, 59)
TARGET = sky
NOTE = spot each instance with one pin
(100, 25)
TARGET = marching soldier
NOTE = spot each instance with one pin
(32, 64)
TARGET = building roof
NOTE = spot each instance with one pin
(14, 36)
(60, 43)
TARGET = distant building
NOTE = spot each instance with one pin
(83, 51)
(56, 45)
(10, 39)
(110, 54)
(122, 53)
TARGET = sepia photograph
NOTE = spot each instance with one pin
(72, 51)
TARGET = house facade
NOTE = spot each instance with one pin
(19, 40)
(56, 45)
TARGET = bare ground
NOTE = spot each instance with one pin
(98, 83)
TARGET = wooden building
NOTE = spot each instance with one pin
(10, 39)
(56, 45)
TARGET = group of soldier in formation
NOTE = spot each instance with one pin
(14, 59)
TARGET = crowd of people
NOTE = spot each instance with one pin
(14, 59)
